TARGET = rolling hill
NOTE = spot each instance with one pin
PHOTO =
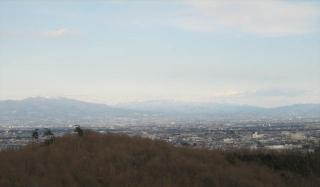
(117, 160)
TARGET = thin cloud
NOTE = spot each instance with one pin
(265, 93)
(56, 33)
(268, 18)
(278, 93)
(60, 32)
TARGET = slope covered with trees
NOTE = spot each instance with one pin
(118, 160)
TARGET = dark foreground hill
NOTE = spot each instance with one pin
(115, 160)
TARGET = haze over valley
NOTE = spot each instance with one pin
(64, 112)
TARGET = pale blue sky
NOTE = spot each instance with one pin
(263, 53)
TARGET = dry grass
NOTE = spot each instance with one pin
(118, 160)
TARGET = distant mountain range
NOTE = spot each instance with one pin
(61, 110)
(218, 109)
(58, 110)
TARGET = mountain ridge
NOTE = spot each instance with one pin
(65, 109)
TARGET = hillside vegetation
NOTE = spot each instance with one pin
(119, 160)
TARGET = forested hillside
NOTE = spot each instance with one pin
(119, 160)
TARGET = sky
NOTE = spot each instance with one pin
(264, 53)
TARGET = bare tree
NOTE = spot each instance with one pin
(49, 136)
(35, 134)
(78, 130)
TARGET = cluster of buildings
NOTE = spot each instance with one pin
(301, 136)
(304, 136)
